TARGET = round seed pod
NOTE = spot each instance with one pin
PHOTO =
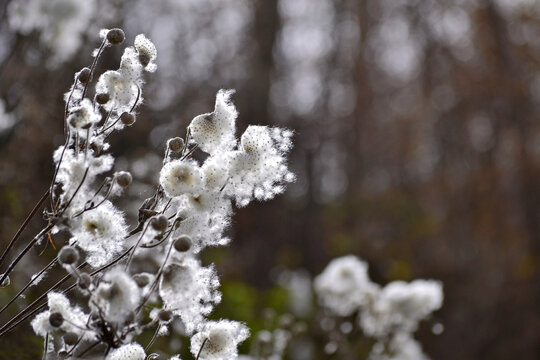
(182, 243)
(84, 281)
(123, 178)
(127, 119)
(144, 58)
(116, 36)
(71, 338)
(56, 319)
(142, 280)
(159, 223)
(102, 98)
(68, 255)
(164, 315)
(84, 75)
(176, 144)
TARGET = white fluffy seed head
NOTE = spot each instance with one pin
(117, 296)
(132, 351)
(147, 52)
(181, 177)
(219, 340)
(83, 116)
(344, 286)
(214, 131)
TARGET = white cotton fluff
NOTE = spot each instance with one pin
(72, 170)
(215, 172)
(100, 232)
(400, 347)
(74, 317)
(344, 285)
(400, 306)
(132, 351)
(204, 218)
(222, 339)
(117, 296)
(181, 177)
(214, 131)
(189, 291)
(259, 168)
(146, 48)
(123, 85)
(83, 116)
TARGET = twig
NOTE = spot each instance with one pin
(23, 226)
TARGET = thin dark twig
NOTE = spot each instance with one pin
(76, 191)
(16, 319)
(46, 346)
(200, 350)
(136, 245)
(137, 99)
(152, 340)
(191, 151)
(51, 192)
(158, 275)
(34, 279)
(93, 66)
(23, 226)
(25, 250)
(89, 348)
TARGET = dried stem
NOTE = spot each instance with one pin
(24, 225)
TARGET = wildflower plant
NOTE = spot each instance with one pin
(122, 280)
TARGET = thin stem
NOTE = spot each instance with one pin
(160, 272)
(200, 350)
(190, 152)
(137, 99)
(34, 279)
(24, 225)
(15, 321)
(76, 191)
(93, 66)
(152, 340)
(45, 348)
(89, 348)
(136, 245)
(25, 250)
(57, 169)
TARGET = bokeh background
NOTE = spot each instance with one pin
(417, 142)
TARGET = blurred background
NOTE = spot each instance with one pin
(417, 141)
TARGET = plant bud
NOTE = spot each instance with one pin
(71, 338)
(102, 98)
(164, 315)
(116, 36)
(127, 119)
(68, 255)
(144, 58)
(84, 75)
(159, 223)
(123, 178)
(84, 281)
(56, 319)
(182, 244)
(176, 144)
(141, 279)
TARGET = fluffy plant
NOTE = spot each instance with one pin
(127, 280)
